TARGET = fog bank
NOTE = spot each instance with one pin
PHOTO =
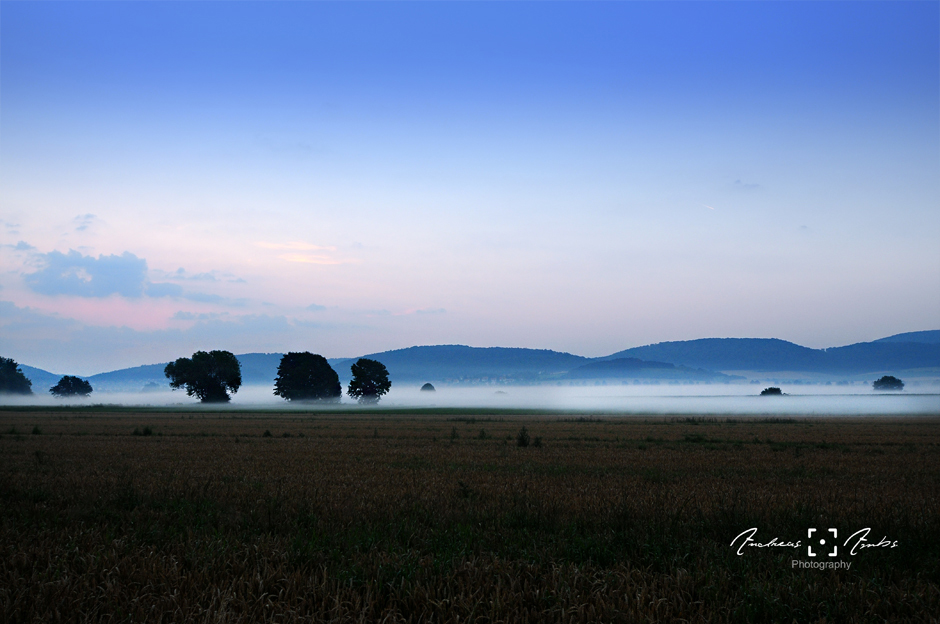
(721, 399)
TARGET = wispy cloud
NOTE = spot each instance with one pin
(746, 186)
(85, 221)
(163, 289)
(308, 258)
(300, 252)
(294, 246)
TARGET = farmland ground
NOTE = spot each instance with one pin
(122, 515)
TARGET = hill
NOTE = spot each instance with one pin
(633, 368)
(443, 363)
(463, 364)
(925, 337)
(257, 368)
(771, 354)
(691, 360)
(42, 380)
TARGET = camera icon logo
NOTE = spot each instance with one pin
(822, 542)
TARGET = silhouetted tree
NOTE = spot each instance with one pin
(71, 386)
(208, 376)
(369, 381)
(307, 377)
(427, 388)
(772, 391)
(888, 382)
(12, 379)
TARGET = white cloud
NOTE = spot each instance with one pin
(85, 276)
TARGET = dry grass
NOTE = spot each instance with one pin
(359, 517)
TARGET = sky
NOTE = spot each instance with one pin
(347, 178)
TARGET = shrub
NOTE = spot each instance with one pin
(522, 438)
(888, 382)
(772, 391)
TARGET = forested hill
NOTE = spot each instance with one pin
(771, 354)
(257, 368)
(42, 380)
(460, 362)
(463, 364)
(925, 337)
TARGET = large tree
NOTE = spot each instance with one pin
(12, 379)
(71, 386)
(307, 377)
(208, 376)
(369, 381)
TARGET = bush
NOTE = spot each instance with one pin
(522, 438)
(888, 382)
(772, 391)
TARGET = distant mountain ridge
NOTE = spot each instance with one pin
(42, 380)
(460, 363)
(772, 354)
(925, 337)
(636, 369)
(706, 359)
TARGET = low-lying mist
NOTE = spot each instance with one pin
(626, 399)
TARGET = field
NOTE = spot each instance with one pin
(177, 516)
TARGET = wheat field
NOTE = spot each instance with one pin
(125, 515)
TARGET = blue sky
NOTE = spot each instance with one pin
(346, 178)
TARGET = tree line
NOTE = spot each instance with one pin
(300, 377)
(213, 376)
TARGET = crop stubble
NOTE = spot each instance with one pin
(235, 516)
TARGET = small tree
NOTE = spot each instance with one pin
(772, 391)
(307, 377)
(12, 379)
(522, 438)
(888, 382)
(369, 381)
(70, 386)
(209, 376)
